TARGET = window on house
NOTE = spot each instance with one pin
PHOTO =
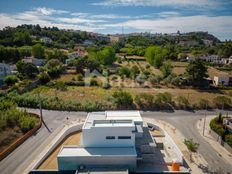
(110, 137)
(124, 137)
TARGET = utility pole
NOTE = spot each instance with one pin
(41, 113)
(40, 108)
(204, 120)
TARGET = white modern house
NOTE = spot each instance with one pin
(108, 140)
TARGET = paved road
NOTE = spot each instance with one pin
(19, 159)
(186, 123)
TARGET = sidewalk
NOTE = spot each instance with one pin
(222, 152)
(178, 138)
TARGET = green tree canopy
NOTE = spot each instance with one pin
(106, 56)
(155, 55)
(166, 68)
(38, 51)
(197, 72)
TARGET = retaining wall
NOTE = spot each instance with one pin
(20, 140)
(58, 139)
(220, 141)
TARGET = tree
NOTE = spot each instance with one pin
(10, 80)
(27, 69)
(197, 72)
(106, 56)
(22, 38)
(122, 98)
(166, 68)
(44, 78)
(38, 51)
(155, 56)
(54, 68)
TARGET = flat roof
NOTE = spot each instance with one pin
(113, 123)
(96, 151)
(134, 116)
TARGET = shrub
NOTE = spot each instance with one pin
(26, 123)
(217, 127)
(114, 78)
(191, 145)
(106, 85)
(163, 98)
(182, 102)
(124, 71)
(203, 103)
(93, 82)
(228, 139)
(134, 71)
(122, 98)
(79, 77)
(144, 100)
(154, 79)
(55, 71)
(10, 80)
(222, 101)
(6, 104)
(141, 78)
(60, 86)
(44, 78)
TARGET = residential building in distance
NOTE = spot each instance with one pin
(117, 38)
(4, 71)
(222, 80)
(35, 61)
(46, 40)
(88, 43)
(211, 58)
(188, 43)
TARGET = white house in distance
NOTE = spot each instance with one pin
(108, 140)
(222, 80)
(46, 40)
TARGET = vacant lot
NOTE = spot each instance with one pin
(84, 94)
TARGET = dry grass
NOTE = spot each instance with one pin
(84, 94)
(51, 161)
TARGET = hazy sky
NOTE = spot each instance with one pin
(110, 16)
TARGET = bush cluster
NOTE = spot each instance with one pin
(216, 125)
(10, 116)
(54, 103)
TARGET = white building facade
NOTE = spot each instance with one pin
(108, 140)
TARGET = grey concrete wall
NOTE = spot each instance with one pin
(220, 141)
(73, 163)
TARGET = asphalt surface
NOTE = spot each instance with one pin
(185, 121)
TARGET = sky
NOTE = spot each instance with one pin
(122, 16)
